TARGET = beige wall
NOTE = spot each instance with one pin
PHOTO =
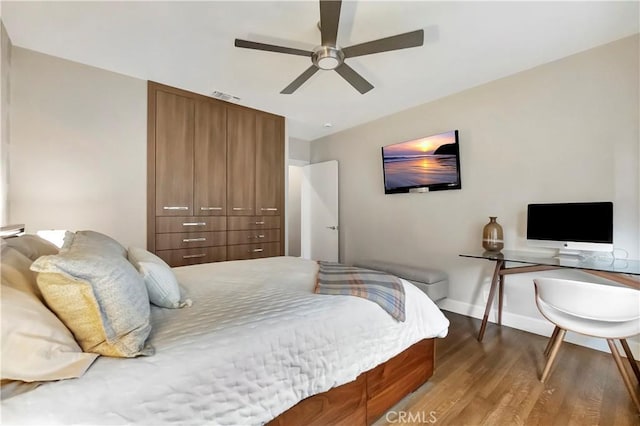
(78, 148)
(299, 153)
(299, 150)
(293, 210)
(564, 131)
(5, 68)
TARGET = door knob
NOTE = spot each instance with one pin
(332, 227)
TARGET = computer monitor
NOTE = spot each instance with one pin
(571, 227)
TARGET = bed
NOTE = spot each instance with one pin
(256, 346)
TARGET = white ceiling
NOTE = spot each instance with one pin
(190, 45)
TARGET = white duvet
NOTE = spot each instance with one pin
(255, 342)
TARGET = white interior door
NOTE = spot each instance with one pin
(319, 212)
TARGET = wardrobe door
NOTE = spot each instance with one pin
(210, 161)
(174, 154)
(241, 142)
(269, 165)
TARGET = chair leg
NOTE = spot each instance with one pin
(551, 340)
(623, 373)
(632, 361)
(553, 354)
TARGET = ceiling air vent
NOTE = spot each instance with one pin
(224, 96)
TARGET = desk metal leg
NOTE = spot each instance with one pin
(492, 292)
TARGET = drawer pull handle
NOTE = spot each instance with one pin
(193, 240)
(260, 223)
(193, 256)
(256, 236)
(194, 224)
(258, 250)
(241, 208)
(175, 208)
(269, 209)
(210, 208)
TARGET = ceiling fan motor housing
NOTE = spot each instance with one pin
(327, 57)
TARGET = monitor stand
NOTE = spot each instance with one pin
(569, 255)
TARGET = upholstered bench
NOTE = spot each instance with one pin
(434, 282)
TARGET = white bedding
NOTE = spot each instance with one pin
(255, 342)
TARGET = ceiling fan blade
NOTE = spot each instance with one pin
(271, 48)
(300, 80)
(329, 19)
(400, 41)
(354, 79)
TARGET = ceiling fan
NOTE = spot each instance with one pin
(329, 56)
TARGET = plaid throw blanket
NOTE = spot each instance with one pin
(379, 287)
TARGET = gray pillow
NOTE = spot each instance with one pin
(92, 241)
(98, 295)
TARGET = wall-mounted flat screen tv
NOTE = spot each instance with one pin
(426, 164)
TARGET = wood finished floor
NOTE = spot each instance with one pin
(496, 383)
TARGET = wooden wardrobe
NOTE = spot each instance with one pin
(215, 179)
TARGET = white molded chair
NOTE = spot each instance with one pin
(608, 312)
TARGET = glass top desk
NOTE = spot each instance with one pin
(623, 271)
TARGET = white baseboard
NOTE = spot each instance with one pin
(532, 325)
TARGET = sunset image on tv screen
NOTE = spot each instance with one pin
(421, 162)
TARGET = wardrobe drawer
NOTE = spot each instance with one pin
(190, 224)
(253, 251)
(255, 236)
(184, 240)
(193, 256)
(239, 223)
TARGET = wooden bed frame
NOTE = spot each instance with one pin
(370, 395)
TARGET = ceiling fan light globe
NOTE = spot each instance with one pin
(327, 57)
(328, 63)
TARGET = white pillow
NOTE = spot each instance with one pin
(36, 345)
(160, 280)
(32, 246)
